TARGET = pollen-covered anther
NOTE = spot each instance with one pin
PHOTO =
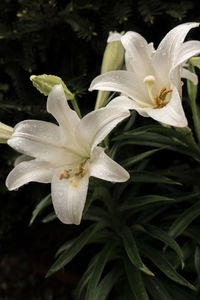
(65, 174)
(160, 100)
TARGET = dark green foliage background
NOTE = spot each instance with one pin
(67, 39)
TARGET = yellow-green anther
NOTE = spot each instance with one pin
(5, 133)
(44, 83)
(113, 59)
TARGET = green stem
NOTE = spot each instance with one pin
(195, 118)
(192, 92)
(76, 107)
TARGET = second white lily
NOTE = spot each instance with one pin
(153, 77)
(66, 155)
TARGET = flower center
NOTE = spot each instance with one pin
(74, 175)
(159, 100)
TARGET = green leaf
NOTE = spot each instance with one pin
(40, 207)
(165, 266)
(137, 158)
(184, 220)
(135, 280)
(132, 250)
(156, 289)
(143, 201)
(197, 260)
(150, 177)
(107, 283)
(50, 217)
(98, 268)
(161, 235)
(44, 83)
(75, 247)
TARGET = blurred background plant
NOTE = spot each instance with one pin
(158, 205)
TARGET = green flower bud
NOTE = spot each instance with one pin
(44, 83)
(113, 59)
(5, 133)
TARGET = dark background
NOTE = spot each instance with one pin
(66, 39)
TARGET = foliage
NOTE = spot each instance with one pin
(142, 236)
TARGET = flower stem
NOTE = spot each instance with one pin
(192, 92)
(76, 107)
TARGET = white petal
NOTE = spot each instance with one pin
(96, 125)
(43, 140)
(121, 101)
(124, 82)
(165, 56)
(58, 106)
(102, 166)
(186, 51)
(69, 200)
(28, 171)
(137, 54)
(189, 75)
(171, 114)
(22, 158)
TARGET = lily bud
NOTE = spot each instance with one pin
(5, 133)
(113, 59)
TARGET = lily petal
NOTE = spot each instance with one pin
(124, 82)
(121, 101)
(171, 114)
(96, 125)
(165, 56)
(41, 139)
(137, 54)
(189, 75)
(58, 106)
(69, 200)
(102, 166)
(187, 50)
(27, 171)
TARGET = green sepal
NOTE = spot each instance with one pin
(44, 83)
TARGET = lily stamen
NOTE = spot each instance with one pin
(160, 99)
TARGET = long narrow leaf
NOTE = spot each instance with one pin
(45, 202)
(107, 283)
(184, 220)
(165, 266)
(100, 263)
(161, 235)
(135, 280)
(132, 250)
(75, 247)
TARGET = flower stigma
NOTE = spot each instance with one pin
(74, 175)
(160, 100)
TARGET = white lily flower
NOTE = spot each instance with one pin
(153, 77)
(66, 155)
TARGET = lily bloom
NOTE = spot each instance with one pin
(152, 79)
(66, 154)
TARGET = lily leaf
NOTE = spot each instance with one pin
(135, 280)
(98, 268)
(132, 250)
(165, 266)
(184, 220)
(75, 247)
(40, 207)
